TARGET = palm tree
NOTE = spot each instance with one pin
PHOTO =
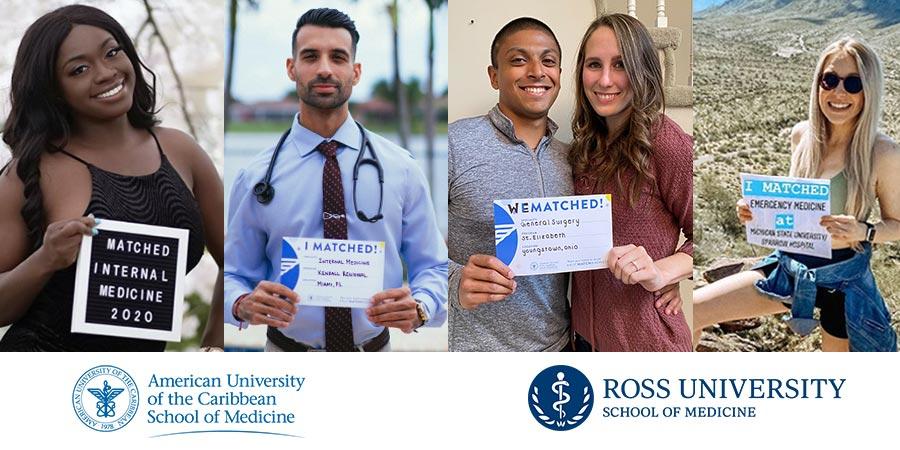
(402, 106)
(429, 90)
(229, 69)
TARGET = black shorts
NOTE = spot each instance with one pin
(829, 301)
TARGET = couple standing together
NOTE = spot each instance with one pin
(622, 145)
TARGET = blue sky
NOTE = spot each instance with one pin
(264, 43)
(700, 5)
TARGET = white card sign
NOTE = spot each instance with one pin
(553, 234)
(332, 272)
(786, 213)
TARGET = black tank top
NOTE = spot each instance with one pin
(160, 198)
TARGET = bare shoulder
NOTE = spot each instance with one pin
(177, 143)
(885, 147)
(11, 191)
(798, 131)
(184, 153)
(13, 230)
(886, 156)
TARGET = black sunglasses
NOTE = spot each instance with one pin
(852, 84)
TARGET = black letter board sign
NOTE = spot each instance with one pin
(130, 281)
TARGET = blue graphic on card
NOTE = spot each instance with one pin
(290, 265)
(782, 188)
(784, 221)
(506, 238)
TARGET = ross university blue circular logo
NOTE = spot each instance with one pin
(105, 398)
(560, 398)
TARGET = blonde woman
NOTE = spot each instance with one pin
(625, 146)
(840, 142)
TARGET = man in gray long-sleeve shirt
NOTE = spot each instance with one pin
(508, 153)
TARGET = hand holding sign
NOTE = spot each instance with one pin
(632, 265)
(62, 241)
(484, 279)
(394, 308)
(844, 228)
(743, 211)
(271, 304)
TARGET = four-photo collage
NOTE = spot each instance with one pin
(462, 176)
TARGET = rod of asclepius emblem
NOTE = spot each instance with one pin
(564, 397)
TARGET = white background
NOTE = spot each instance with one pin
(430, 400)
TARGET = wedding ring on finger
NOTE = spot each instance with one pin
(636, 268)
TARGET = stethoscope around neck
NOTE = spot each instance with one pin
(265, 192)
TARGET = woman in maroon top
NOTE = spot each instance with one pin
(623, 145)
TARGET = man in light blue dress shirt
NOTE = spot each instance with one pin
(324, 70)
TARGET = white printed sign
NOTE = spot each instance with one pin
(787, 212)
(332, 272)
(553, 234)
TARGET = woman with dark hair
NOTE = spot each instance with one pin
(840, 142)
(85, 146)
(625, 146)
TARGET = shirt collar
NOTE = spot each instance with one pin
(307, 141)
(502, 123)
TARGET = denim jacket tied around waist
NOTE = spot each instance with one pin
(868, 321)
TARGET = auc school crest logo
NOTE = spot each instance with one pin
(105, 398)
(560, 398)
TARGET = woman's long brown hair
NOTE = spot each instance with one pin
(591, 150)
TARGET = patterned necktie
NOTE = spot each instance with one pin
(338, 325)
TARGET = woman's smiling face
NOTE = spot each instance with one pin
(95, 76)
(604, 78)
(838, 105)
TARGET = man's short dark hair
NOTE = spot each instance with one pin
(522, 23)
(325, 17)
